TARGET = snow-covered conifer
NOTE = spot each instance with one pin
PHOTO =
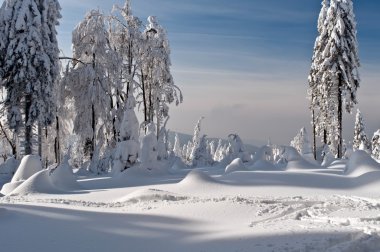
(238, 148)
(319, 115)
(195, 141)
(360, 137)
(334, 76)
(149, 153)
(339, 68)
(218, 156)
(29, 63)
(376, 145)
(177, 146)
(301, 142)
(202, 155)
(162, 143)
(212, 148)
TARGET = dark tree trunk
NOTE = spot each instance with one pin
(314, 136)
(130, 60)
(28, 145)
(144, 96)
(39, 139)
(57, 149)
(113, 119)
(150, 106)
(93, 124)
(93, 120)
(340, 119)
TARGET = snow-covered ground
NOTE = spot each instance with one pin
(304, 208)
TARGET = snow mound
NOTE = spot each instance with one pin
(9, 187)
(30, 165)
(178, 165)
(263, 165)
(361, 163)
(235, 165)
(63, 177)
(151, 195)
(301, 165)
(197, 177)
(295, 161)
(54, 181)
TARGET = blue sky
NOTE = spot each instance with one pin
(243, 64)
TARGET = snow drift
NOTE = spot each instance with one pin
(52, 181)
(151, 195)
(197, 177)
(361, 163)
(29, 165)
(235, 165)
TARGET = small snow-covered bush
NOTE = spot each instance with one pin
(376, 145)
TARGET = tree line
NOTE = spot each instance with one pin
(118, 65)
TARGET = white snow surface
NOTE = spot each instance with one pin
(361, 163)
(50, 181)
(29, 165)
(308, 208)
(236, 165)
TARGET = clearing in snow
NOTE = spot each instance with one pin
(301, 207)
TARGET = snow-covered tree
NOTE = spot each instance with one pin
(340, 63)
(201, 154)
(157, 86)
(302, 143)
(177, 146)
(318, 113)
(194, 144)
(89, 81)
(212, 147)
(129, 128)
(125, 33)
(127, 149)
(128, 146)
(376, 145)
(361, 140)
(163, 142)
(29, 63)
(238, 148)
(334, 77)
(149, 147)
(219, 151)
